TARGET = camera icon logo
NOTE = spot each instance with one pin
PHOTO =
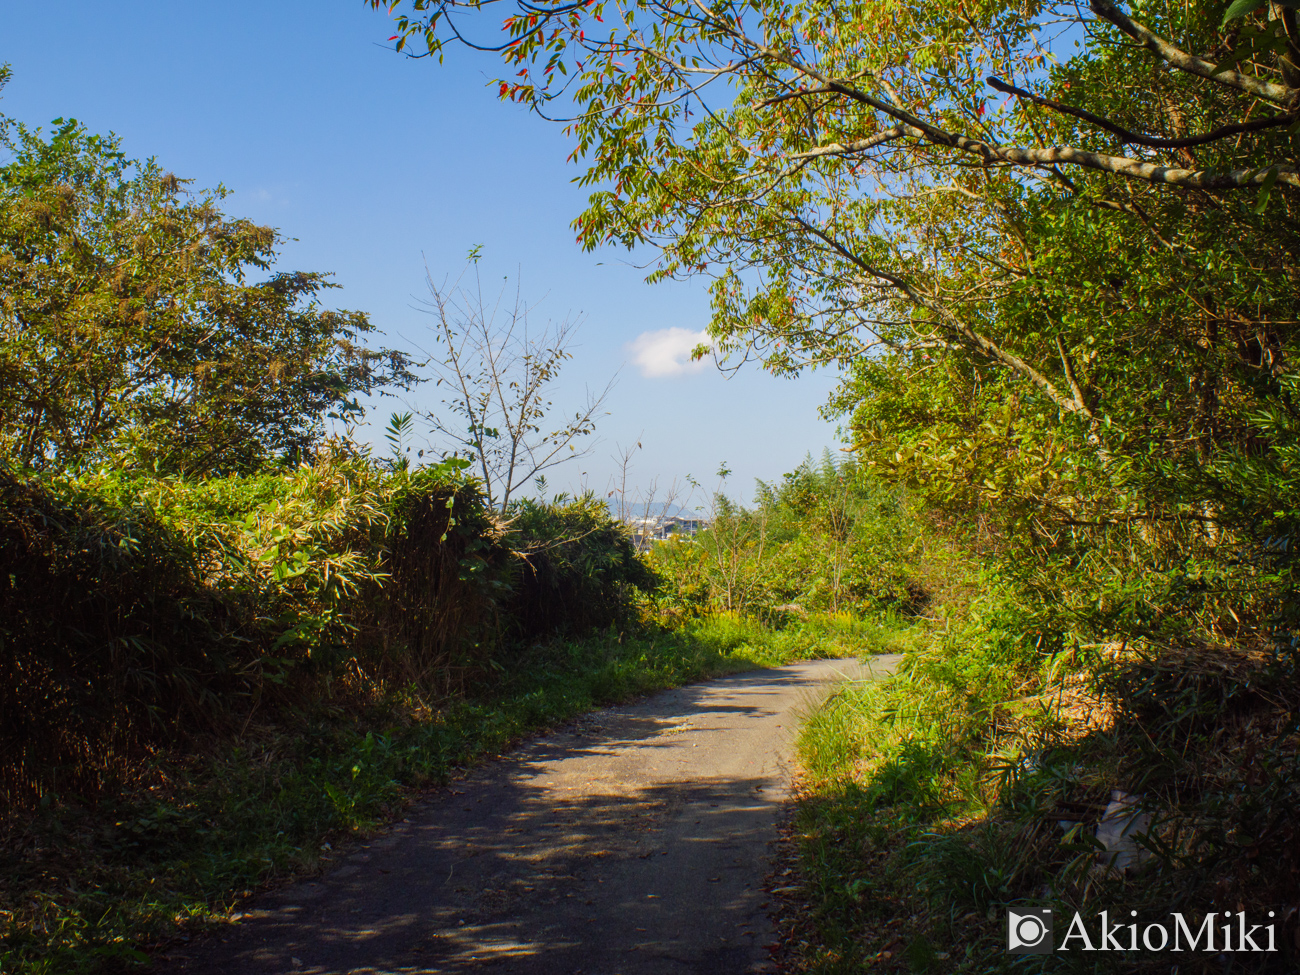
(1030, 934)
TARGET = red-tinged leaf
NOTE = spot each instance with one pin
(394, 37)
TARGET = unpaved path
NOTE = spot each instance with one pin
(632, 842)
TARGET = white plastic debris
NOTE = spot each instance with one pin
(1118, 831)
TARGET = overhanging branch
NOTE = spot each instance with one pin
(860, 145)
(1231, 78)
(1137, 139)
(967, 335)
(990, 154)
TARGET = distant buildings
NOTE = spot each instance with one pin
(661, 527)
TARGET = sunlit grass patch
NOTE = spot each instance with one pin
(816, 636)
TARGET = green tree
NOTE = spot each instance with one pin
(129, 328)
(855, 154)
(1052, 245)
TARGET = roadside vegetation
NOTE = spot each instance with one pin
(825, 540)
(1051, 247)
(231, 639)
(188, 831)
(977, 782)
(1052, 251)
(213, 683)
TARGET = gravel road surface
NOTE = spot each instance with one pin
(631, 842)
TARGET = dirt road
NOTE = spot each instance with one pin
(634, 841)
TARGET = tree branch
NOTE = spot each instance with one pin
(1070, 378)
(1134, 138)
(836, 149)
(1280, 94)
(1199, 179)
(952, 323)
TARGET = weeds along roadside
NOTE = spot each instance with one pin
(335, 742)
(974, 781)
(234, 693)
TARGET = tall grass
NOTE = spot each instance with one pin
(828, 538)
(934, 802)
(135, 610)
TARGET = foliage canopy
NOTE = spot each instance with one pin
(129, 327)
(1051, 244)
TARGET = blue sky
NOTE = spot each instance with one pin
(376, 163)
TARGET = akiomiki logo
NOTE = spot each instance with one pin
(1218, 932)
(1030, 934)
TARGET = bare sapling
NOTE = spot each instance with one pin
(498, 372)
(642, 509)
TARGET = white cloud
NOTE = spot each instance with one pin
(667, 351)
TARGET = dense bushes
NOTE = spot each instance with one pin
(578, 568)
(107, 633)
(828, 537)
(136, 609)
(974, 784)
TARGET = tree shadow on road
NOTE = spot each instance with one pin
(596, 849)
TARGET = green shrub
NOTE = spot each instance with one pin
(577, 569)
(828, 537)
(938, 796)
(134, 610)
(108, 636)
